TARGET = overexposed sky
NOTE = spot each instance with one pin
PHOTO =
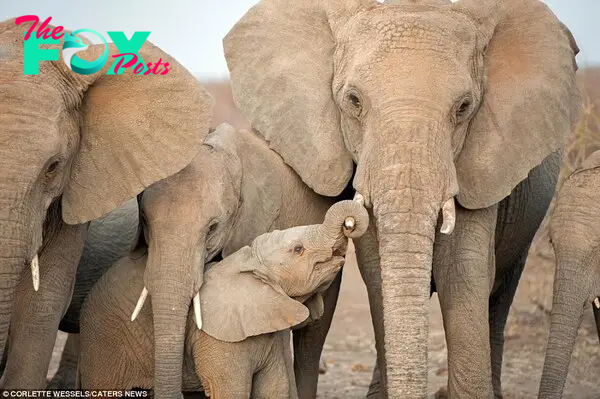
(192, 30)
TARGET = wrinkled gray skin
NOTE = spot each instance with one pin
(247, 304)
(109, 238)
(254, 192)
(73, 148)
(432, 101)
(575, 235)
(234, 190)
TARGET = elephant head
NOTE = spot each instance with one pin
(575, 234)
(226, 196)
(77, 146)
(259, 288)
(432, 101)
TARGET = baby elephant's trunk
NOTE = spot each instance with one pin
(345, 219)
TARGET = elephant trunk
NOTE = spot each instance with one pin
(569, 297)
(334, 227)
(410, 183)
(13, 262)
(172, 282)
(16, 253)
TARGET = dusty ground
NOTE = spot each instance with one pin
(350, 354)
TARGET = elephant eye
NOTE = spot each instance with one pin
(463, 109)
(354, 100)
(212, 228)
(52, 169)
(298, 250)
(354, 103)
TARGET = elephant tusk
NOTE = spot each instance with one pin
(349, 223)
(358, 197)
(197, 310)
(140, 303)
(449, 215)
(35, 272)
(597, 303)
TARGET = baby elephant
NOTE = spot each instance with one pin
(575, 235)
(249, 301)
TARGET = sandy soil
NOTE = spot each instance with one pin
(349, 353)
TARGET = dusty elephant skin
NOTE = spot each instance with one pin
(575, 234)
(235, 189)
(432, 101)
(249, 301)
(75, 147)
(108, 240)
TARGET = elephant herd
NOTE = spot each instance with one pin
(182, 256)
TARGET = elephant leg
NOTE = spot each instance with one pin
(499, 306)
(67, 369)
(463, 270)
(597, 315)
(367, 256)
(37, 314)
(309, 341)
(277, 379)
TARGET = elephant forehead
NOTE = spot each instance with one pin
(393, 28)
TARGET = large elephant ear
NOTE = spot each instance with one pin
(591, 162)
(135, 130)
(237, 304)
(531, 101)
(261, 193)
(280, 58)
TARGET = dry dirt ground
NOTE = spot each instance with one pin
(349, 353)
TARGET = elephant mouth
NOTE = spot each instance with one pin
(340, 247)
(335, 264)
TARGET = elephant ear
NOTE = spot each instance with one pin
(238, 303)
(591, 162)
(530, 103)
(135, 130)
(140, 241)
(280, 58)
(261, 193)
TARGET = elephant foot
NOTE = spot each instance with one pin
(63, 380)
(375, 386)
(441, 393)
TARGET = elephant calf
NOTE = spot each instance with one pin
(234, 190)
(249, 301)
(575, 234)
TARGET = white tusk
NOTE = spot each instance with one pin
(449, 215)
(35, 272)
(359, 198)
(597, 303)
(349, 223)
(197, 310)
(140, 304)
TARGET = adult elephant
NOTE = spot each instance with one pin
(72, 148)
(432, 101)
(575, 233)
